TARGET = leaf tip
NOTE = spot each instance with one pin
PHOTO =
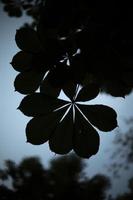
(18, 108)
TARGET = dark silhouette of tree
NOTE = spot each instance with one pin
(62, 180)
(81, 48)
(122, 156)
(31, 8)
(6, 193)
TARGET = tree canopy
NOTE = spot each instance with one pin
(62, 180)
(78, 47)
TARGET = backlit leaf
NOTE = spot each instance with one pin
(22, 61)
(39, 104)
(86, 139)
(118, 88)
(70, 89)
(39, 129)
(27, 40)
(48, 89)
(101, 116)
(28, 82)
(88, 92)
(61, 140)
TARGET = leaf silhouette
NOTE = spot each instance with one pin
(83, 36)
(86, 138)
(101, 116)
(22, 61)
(40, 104)
(40, 129)
(27, 40)
(71, 132)
(70, 90)
(52, 54)
(88, 92)
(80, 48)
(118, 88)
(28, 82)
(48, 89)
(60, 141)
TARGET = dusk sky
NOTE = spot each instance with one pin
(12, 122)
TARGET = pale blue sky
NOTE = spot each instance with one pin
(12, 122)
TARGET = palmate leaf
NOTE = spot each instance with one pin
(74, 131)
(100, 51)
(93, 48)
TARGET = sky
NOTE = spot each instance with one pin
(12, 122)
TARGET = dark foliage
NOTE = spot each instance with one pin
(86, 44)
(64, 179)
(69, 132)
(16, 8)
(122, 157)
(74, 44)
